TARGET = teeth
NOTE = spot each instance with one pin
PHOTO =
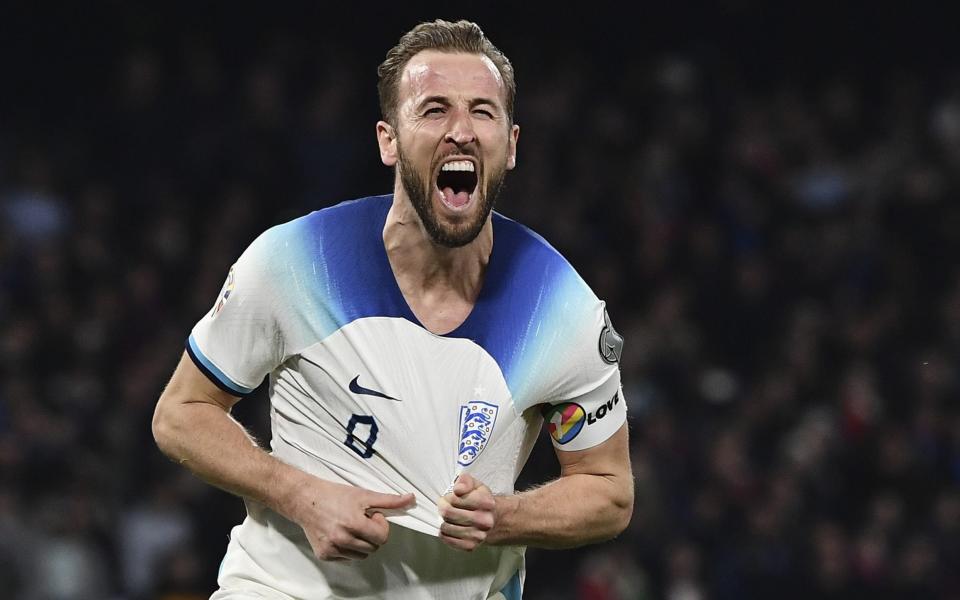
(458, 165)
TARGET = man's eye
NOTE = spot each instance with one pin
(436, 110)
(484, 112)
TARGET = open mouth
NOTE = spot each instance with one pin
(457, 180)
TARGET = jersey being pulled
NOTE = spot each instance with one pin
(361, 393)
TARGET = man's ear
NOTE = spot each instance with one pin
(512, 147)
(387, 140)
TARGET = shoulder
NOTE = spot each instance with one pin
(520, 237)
(545, 321)
(328, 267)
(529, 259)
(363, 213)
(344, 225)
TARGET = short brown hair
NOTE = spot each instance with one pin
(462, 36)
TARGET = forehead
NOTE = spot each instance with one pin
(434, 73)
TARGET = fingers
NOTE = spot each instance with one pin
(462, 538)
(465, 484)
(466, 546)
(365, 535)
(470, 534)
(478, 498)
(481, 519)
(354, 541)
(349, 525)
(381, 521)
(468, 514)
(358, 536)
(373, 529)
(389, 501)
(352, 547)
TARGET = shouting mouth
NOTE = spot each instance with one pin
(456, 183)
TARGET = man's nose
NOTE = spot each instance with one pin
(461, 128)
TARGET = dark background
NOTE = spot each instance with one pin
(765, 196)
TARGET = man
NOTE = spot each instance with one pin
(414, 345)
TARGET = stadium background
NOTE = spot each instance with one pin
(765, 196)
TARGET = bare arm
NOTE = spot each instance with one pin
(591, 501)
(192, 425)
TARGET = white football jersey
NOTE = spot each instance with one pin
(362, 394)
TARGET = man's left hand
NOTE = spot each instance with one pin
(468, 514)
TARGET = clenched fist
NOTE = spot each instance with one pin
(468, 514)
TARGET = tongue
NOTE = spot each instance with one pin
(455, 199)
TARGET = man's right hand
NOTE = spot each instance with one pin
(343, 522)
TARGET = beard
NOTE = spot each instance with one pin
(449, 235)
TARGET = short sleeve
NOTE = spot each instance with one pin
(238, 342)
(590, 407)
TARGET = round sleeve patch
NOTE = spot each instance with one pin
(611, 342)
(225, 292)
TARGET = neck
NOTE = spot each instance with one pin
(423, 267)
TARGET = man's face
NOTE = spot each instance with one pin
(452, 143)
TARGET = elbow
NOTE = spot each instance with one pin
(621, 508)
(164, 427)
(624, 514)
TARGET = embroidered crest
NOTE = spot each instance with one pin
(476, 424)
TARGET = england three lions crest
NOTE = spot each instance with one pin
(476, 424)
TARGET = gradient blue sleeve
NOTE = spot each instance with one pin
(588, 407)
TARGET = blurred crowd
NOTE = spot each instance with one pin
(779, 252)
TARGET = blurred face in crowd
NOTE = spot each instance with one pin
(452, 142)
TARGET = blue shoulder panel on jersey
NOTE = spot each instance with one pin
(338, 271)
(529, 296)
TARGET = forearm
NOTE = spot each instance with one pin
(193, 427)
(207, 441)
(573, 510)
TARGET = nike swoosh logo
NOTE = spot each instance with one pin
(356, 388)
